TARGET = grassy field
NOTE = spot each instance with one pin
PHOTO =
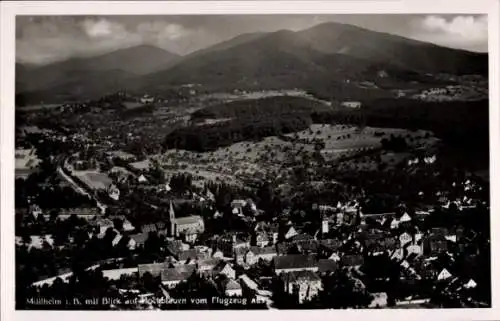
(93, 179)
(266, 158)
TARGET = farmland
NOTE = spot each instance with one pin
(269, 157)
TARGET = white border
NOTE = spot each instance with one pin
(10, 9)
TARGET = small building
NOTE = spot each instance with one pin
(327, 266)
(248, 282)
(233, 288)
(255, 253)
(171, 277)
(379, 300)
(351, 104)
(226, 269)
(354, 260)
(303, 284)
(154, 269)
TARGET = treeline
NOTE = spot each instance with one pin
(211, 137)
(263, 107)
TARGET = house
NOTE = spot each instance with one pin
(158, 227)
(414, 249)
(248, 283)
(175, 247)
(126, 241)
(147, 100)
(327, 266)
(379, 300)
(189, 226)
(329, 245)
(225, 269)
(470, 285)
(139, 239)
(154, 269)
(351, 104)
(114, 192)
(187, 256)
(232, 288)
(284, 248)
(218, 254)
(354, 260)
(237, 206)
(404, 239)
(102, 225)
(394, 223)
(206, 266)
(37, 241)
(255, 253)
(405, 218)
(444, 275)
(334, 257)
(291, 233)
(35, 211)
(127, 226)
(229, 243)
(142, 179)
(435, 244)
(262, 239)
(171, 277)
(294, 262)
(303, 284)
(398, 255)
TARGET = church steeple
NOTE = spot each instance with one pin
(171, 213)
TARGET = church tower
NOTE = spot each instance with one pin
(172, 219)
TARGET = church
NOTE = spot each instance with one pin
(188, 227)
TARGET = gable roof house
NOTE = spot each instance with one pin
(171, 277)
(294, 262)
(304, 284)
(255, 253)
(232, 288)
(226, 269)
(139, 238)
(154, 269)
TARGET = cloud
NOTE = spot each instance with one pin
(469, 32)
(472, 28)
(102, 28)
(163, 30)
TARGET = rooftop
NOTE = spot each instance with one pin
(294, 261)
(193, 219)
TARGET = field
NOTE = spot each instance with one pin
(271, 156)
(343, 140)
(93, 179)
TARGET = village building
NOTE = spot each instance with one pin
(248, 283)
(171, 277)
(303, 284)
(232, 288)
(294, 262)
(154, 269)
(224, 268)
(189, 227)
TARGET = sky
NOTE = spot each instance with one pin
(46, 39)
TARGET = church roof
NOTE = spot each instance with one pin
(188, 220)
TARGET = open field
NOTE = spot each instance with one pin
(268, 157)
(93, 179)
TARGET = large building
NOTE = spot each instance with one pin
(189, 227)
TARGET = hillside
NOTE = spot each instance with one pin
(131, 61)
(328, 53)
(329, 60)
(77, 85)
